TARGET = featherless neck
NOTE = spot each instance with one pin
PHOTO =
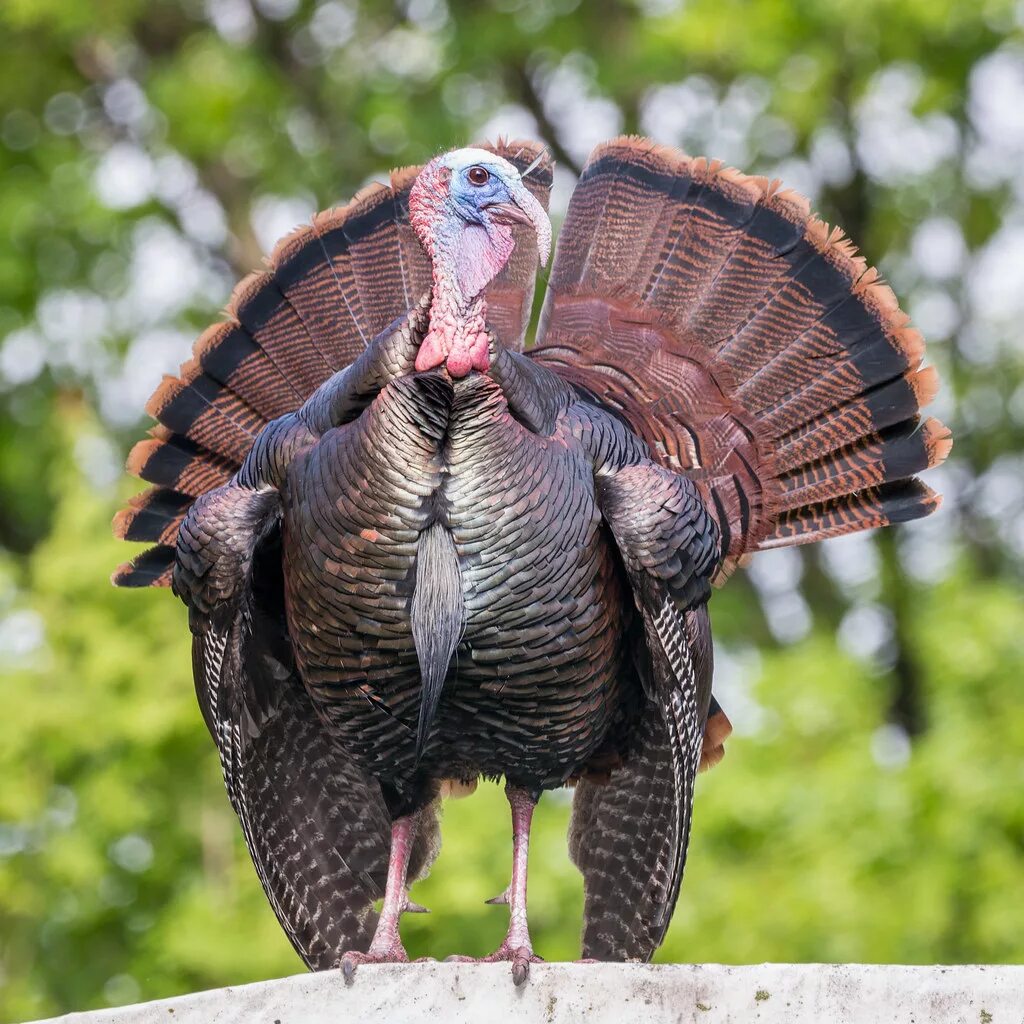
(468, 242)
(457, 329)
(457, 335)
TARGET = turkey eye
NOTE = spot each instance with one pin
(478, 175)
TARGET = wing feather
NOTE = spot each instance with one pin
(629, 836)
(316, 826)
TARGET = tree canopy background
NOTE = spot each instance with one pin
(151, 151)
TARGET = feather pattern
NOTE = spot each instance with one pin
(400, 581)
(745, 340)
(316, 826)
(330, 288)
(638, 825)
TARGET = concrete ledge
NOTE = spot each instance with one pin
(441, 993)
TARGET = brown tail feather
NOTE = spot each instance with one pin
(290, 367)
(883, 406)
(313, 269)
(179, 464)
(154, 515)
(329, 289)
(891, 503)
(893, 454)
(199, 408)
(415, 269)
(747, 341)
(378, 266)
(150, 569)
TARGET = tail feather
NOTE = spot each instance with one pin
(599, 256)
(747, 341)
(826, 342)
(891, 503)
(692, 253)
(199, 408)
(329, 289)
(893, 454)
(881, 406)
(262, 312)
(153, 568)
(416, 273)
(153, 515)
(179, 464)
(313, 269)
(378, 262)
(744, 282)
(229, 354)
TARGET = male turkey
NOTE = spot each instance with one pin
(414, 555)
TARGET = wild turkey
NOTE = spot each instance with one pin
(414, 555)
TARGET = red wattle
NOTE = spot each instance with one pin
(465, 357)
(432, 353)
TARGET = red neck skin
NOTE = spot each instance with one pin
(457, 335)
(465, 258)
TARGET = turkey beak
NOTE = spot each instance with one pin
(524, 209)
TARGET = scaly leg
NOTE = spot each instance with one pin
(386, 947)
(517, 947)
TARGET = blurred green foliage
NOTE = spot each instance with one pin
(869, 807)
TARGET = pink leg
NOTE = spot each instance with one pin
(517, 947)
(386, 946)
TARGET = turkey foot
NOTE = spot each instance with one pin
(520, 957)
(517, 947)
(386, 947)
(350, 960)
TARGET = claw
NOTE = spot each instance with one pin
(348, 966)
(501, 900)
(414, 908)
(386, 946)
(521, 957)
(520, 972)
(351, 960)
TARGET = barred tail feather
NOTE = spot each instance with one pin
(897, 502)
(150, 569)
(882, 406)
(178, 463)
(152, 515)
(747, 341)
(892, 454)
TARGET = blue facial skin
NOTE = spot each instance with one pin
(470, 200)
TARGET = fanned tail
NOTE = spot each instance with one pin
(750, 345)
(329, 289)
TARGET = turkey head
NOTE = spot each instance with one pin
(462, 207)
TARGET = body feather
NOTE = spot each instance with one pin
(401, 581)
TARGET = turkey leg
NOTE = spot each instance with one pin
(517, 947)
(386, 947)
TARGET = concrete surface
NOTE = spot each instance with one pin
(604, 994)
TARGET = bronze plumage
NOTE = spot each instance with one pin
(499, 564)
